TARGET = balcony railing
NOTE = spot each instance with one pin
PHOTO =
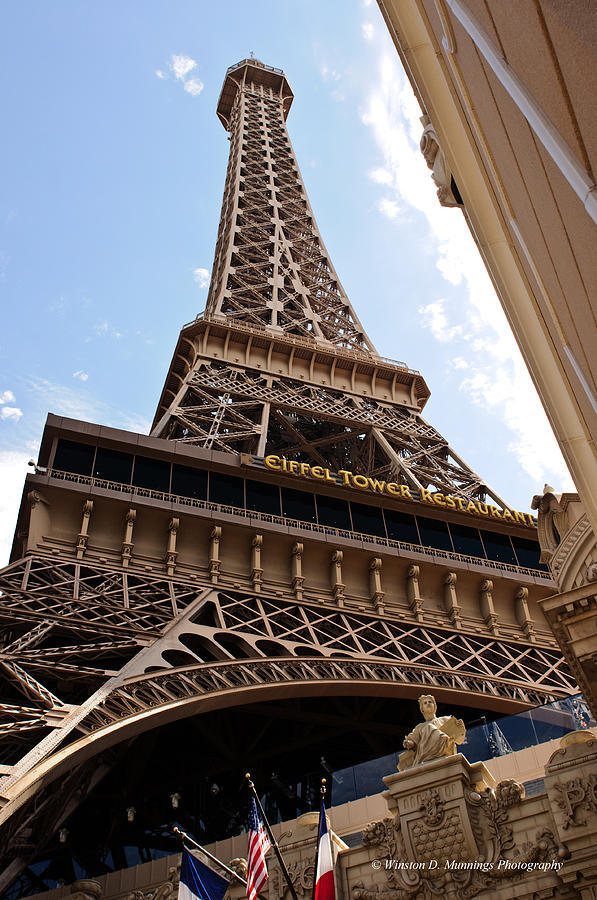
(312, 527)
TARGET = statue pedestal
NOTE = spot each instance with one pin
(434, 804)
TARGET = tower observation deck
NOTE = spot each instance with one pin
(269, 580)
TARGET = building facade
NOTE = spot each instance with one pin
(269, 579)
(511, 138)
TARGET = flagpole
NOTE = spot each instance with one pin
(187, 837)
(273, 841)
(321, 806)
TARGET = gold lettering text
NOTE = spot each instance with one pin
(272, 462)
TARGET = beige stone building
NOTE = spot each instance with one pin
(511, 137)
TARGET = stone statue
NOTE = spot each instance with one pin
(437, 736)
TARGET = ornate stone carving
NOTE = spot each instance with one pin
(451, 599)
(171, 554)
(127, 544)
(576, 794)
(83, 536)
(214, 553)
(297, 569)
(256, 567)
(412, 592)
(433, 738)
(239, 866)
(436, 161)
(523, 615)
(495, 806)
(486, 605)
(85, 889)
(168, 890)
(432, 808)
(336, 576)
(377, 594)
(301, 872)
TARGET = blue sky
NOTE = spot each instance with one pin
(113, 167)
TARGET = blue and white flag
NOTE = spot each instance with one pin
(198, 882)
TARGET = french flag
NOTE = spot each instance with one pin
(324, 876)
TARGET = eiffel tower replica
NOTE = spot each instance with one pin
(292, 528)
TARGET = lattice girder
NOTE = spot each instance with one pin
(286, 281)
(74, 625)
(323, 425)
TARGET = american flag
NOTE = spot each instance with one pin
(259, 844)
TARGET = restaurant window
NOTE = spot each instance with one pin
(226, 489)
(298, 505)
(467, 540)
(528, 553)
(263, 497)
(113, 465)
(498, 547)
(367, 519)
(401, 526)
(189, 482)
(151, 473)
(333, 511)
(73, 457)
(434, 533)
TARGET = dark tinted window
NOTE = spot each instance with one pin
(152, 473)
(226, 489)
(112, 465)
(73, 457)
(498, 547)
(528, 553)
(263, 497)
(298, 505)
(188, 482)
(367, 519)
(401, 526)
(333, 511)
(434, 533)
(467, 540)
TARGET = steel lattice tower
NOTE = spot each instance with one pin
(272, 277)
(149, 579)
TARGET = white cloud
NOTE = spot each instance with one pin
(367, 31)
(388, 207)
(496, 375)
(11, 412)
(434, 317)
(381, 176)
(201, 277)
(80, 404)
(193, 86)
(7, 397)
(329, 74)
(13, 468)
(181, 65)
(104, 329)
(81, 375)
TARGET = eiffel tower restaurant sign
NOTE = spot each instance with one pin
(346, 478)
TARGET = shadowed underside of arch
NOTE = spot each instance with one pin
(156, 698)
